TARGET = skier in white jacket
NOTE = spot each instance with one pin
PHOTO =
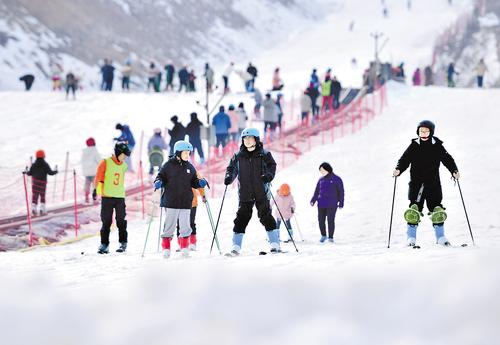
(90, 161)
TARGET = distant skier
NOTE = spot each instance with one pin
(127, 137)
(156, 145)
(90, 160)
(222, 124)
(209, 77)
(277, 82)
(286, 208)
(193, 130)
(176, 133)
(28, 80)
(126, 73)
(71, 84)
(252, 70)
(428, 76)
(255, 169)
(110, 185)
(305, 107)
(480, 70)
(169, 76)
(336, 90)
(225, 76)
(329, 194)
(183, 79)
(416, 79)
(425, 154)
(242, 118)
(177, 177)
(38, 172)
(450, 75)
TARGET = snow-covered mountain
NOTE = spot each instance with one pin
(79, 34)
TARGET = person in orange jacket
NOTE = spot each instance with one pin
(110, 185)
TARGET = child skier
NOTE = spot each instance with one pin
(178, 177)
(90, 161)
(255, 169)
(425, 155)
(110, 185)
(38, 172)
(285, 205)
(329, 194)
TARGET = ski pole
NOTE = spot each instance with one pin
(159, 229)
(465, 210)
(149, 227)
(218, 218)
(392, 212)
(286, 226)
(298, 227)
(209, 212)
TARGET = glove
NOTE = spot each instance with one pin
(158, 184)
(227, 180)
(204, 199)
(293, 210)
(456, 175)
(341, 205)
(396, 172)
(203, 182)
(266, 178)
(312, 203)
(94, 194)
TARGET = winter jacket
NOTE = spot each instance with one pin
(255, 170)
(285, 205)
(228, 71)
(336, 88)
(329, 192)
(326, 88)
(234, 121)
(222, 123)
(193, 129)
(176, 133)
(169, 72)
(252, 70)
(183, 76)
(242, 118)
(126, 71)
(416, 78)
(305, 103)
(270, 111)
(209, 75)
(481, 69)
(157, 140)
(425, 159)
(127, 136)
(178, 177)
(90, 160)
(40, 169)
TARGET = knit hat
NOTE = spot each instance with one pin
(40, 154)
(90, 142)
(284, 189)
(326, 166)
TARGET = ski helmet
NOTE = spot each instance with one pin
(122, 147)
(250, 132)
(182, 145)
(90, 142)
(427, 124)
(40, 154)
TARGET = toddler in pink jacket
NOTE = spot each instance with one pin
(286, 205)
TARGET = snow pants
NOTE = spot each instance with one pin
(430, 192)
(192, 222)
(323, 215)
(38, 189)
(174, 216)
(107, 207)
(244, 214)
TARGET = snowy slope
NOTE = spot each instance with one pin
(349, 292)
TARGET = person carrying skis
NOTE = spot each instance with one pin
(329, 194)
(38, 172)
(255, 169)
(110, 185)
(285, 206)
(425, 155)
(177, 177)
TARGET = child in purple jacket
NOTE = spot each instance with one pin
(329, 194)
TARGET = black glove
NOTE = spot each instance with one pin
(204, 199)
(293, 210)
(94, 194)
(227, 180)
(266, 178)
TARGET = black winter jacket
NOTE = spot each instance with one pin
(176, 133)
(255, 170)
(425, 158)
(40, 169)
(177, 177)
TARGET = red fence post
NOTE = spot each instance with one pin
(65, 175)
(76, 203)
(30, 236)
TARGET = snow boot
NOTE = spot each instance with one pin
(411, 234)
(42, 209)
(165, 245)
(33, 210)
(330, 239)
(412, 215)
(192, 242)
(440, 238)
(122, 248)
(274, 240)
(237, 240)
(438, 215)
(103, 249)
(323, 239)
(184, 242)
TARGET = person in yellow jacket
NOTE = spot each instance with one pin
(110, 185)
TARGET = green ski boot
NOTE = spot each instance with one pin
(438, 215)
(412, 215)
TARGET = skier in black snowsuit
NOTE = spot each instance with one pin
(425, 155)
(176, 133)
(255, 169)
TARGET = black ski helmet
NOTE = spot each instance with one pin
(427, 124)
(121, 147)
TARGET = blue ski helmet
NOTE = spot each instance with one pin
(250, 132)
(182, 145)
(427, 124)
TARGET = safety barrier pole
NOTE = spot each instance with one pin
(76, 203)
(28, 212)
(65, 175)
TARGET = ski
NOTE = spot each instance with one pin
(278, 252)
